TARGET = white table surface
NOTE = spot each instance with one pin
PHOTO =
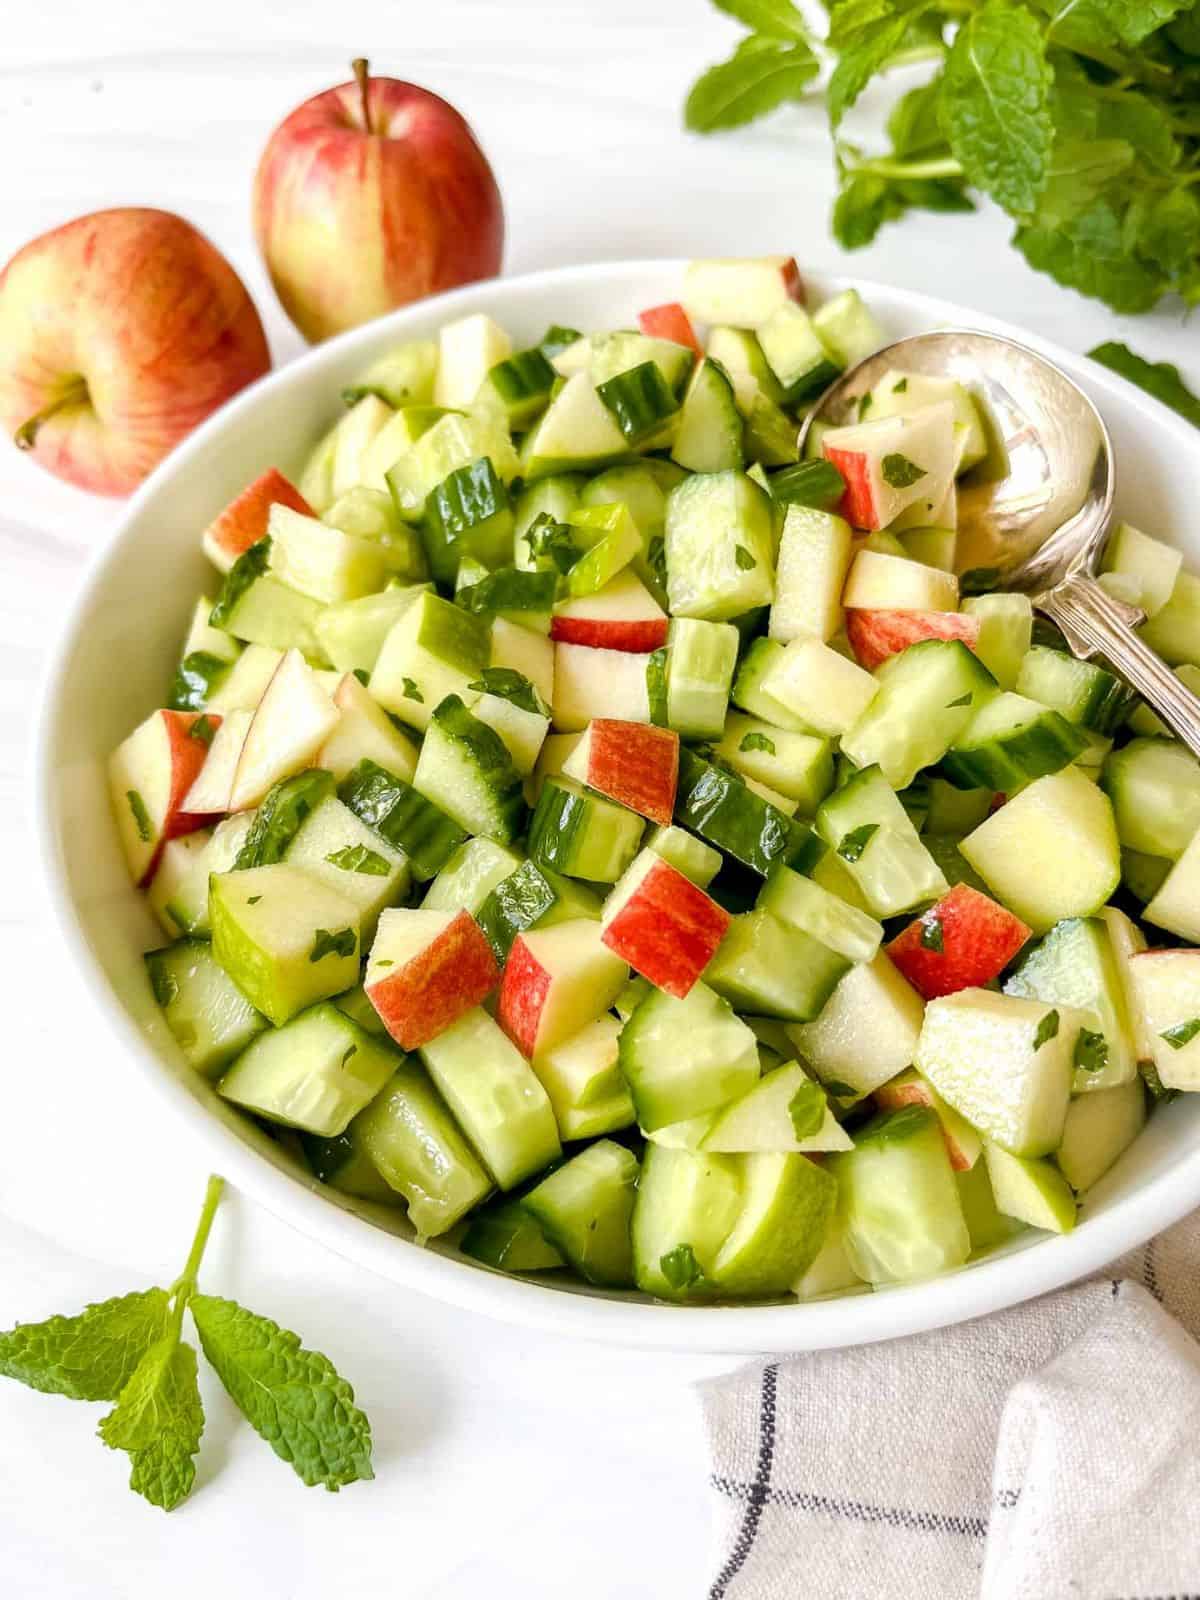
(508, 1464)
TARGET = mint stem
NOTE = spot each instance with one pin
(944, 167)
(186, 1281)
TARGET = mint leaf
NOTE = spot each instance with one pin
(90, 1356)
(807, 1109)
(745, 561)
(202, 730)
(1182, 1033)
(865, 402)
(838, 1089)
(358, 858)
(866, 50)
(893, 1127)
(1091, 1050)
(931, 933)
(292, 1396)
(963, 700)
(680, 1267)
(1134, 20)
(552, 541)
(900, 472)
(1157, 1089)
(901, 387)
(141, 817)
(159, 1419)
(852, 844)
(340, 943)
(1158, 378)
(995, 104)
(509, 684)
(864, 203)
(757, 741)
(411, 692)
(777, 18)
(761, 74)
(1088, 252)
(1047, 1029)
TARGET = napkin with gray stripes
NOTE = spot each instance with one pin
(1049, 1452)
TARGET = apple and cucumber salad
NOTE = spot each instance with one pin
(586, 821)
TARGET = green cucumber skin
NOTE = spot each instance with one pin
(522, 383)
(1034, 751)
(720, 808)
(249, 566)
(1081, 691)
(280, 816)
(514, 905)
(507, 1236)
(196, 677)
(489, 756)
(559, 828)
(408, 821)
(640, 399)
(815, 484)
(509, 589)
(464, 501)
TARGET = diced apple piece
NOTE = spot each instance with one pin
(433, 650)
(1032, 1191)
(740, 291)
(665, 927)
(633, 763)
(899, 392)
(1167, 986)
(1151, 566)
(584, 1082)
(244, 520)
(557, 980)
(467, 351)
(879, 582)
(963, 1144)
(962, 942)
(209, 795)
(590, 683)
(244, 685)
(426, 969)
(1005, 1063)
(815, 683)
(526, 652)
(867, 1032)
(1098, 1129)
(893, 463)
(1127, 940)
(623, 615)
(876, 635)
(150, 778)
(365, 732)
(815, 548)
(320, 561)
(1176, 905)
(765, 1119)
(295, 717)
(671, 322)
(522, 732)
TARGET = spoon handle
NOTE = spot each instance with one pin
(1094, 623)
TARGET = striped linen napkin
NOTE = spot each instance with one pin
(1049, 1452)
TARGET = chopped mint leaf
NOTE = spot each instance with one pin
(656, 557)
(555, 340)
(349, 1051)
(963, 700)
(900, 472)
(141, 816)
(757, 741)
(680, 1267)
(358, 858)
(745, 561)
(931, 933)
(385, 963)
(1158, 378)
(363, 676)
(202, 730)
(656, 691)
(1182, 1033)
(852, 844)
(900, 387)
(552, 541)
(411, 692)
(838, 1089)
(1047, 1029)
(195, 678)
(807, 1109)
(254, 899)
(865, 402)
(1157, 1088)
(509, 684)
(1091, 1050)
(978, 580)
(342, 942)
(895, 1126)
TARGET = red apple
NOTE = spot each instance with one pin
(369, 196)
(623, 615)
(663, 925)
(119, 332)
(244, 520)
(149, 776)
(426, 969)
(555, 982)
(962, 942)
(876, 635)
(670, 322)
(633, 763)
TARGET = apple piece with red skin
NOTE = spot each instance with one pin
(555, 982)
(671, 322)
(244, 520)
(119, 333)
(426, 969)
(369, 196)
(962, 942)
(876, 635)
(292, 722)
(742, 291)
(633, 763)
(964, 1145)
(623, 615)
(666, 927)
(149, 776)
(891, 462)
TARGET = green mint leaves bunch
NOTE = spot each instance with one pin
(1081, 118)
(131, 1351)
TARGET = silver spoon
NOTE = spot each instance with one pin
(1036, 516)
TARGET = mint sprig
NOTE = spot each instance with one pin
(131, 1350)
(1078, 119)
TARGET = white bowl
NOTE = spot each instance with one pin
(112, 667)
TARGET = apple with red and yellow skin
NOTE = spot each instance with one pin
(119, 332)
(369, 196)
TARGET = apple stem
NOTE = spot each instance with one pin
(362, 68)
(74, 394)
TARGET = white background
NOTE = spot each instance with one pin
(508, 1465)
